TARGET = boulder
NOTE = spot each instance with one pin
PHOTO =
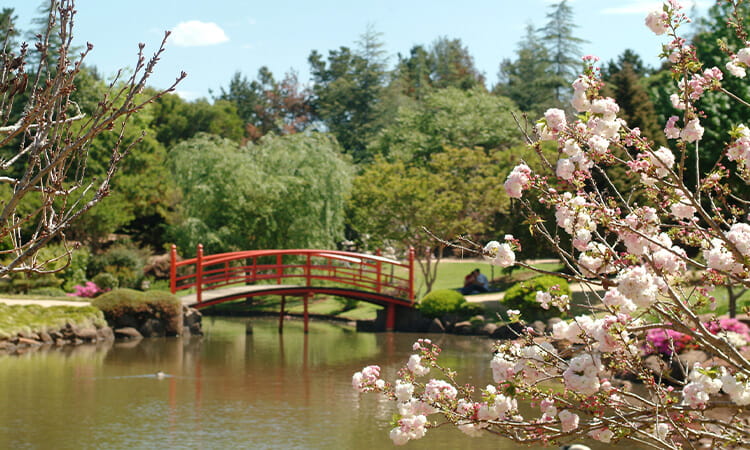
(436, 326)
(508, 331)
(489, 328)
(551, 323)
(28, 342)
(86, 334)
(463, 327)
(45, 337)
(128, 333)
(153, 328)
(105, 334)
(539, 327)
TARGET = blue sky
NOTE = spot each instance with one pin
(214, 39)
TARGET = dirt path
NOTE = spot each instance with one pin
(44, 303)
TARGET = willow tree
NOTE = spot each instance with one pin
(45, 137)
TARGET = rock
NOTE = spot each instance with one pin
(128, 333)
(153, 328)
(192, 319)
(656, 365)
(463, 327)
(86, 334)
(7, 346)
(436, 326)
(539, 327)
(28, 342)
(45, 337)
(105, 334)
(551, 323)
(489, 328)
(508, 331)
(55, 335)
(29, 335)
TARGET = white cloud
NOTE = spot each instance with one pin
(195, 33)
(646, 6)
(188, 95)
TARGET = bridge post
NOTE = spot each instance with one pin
(390, 317)
(279, 268)
(378, 271)
(173, 269)
(308, 270)
(306, 316)
(281, 314)
(199, 274)
(411, 273)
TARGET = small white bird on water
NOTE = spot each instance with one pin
(160, 375)
(575, 447)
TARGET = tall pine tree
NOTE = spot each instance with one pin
(563, 47)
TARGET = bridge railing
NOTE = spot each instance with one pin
(373, 273)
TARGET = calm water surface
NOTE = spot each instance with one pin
(242, 385)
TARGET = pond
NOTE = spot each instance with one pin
(242, 385)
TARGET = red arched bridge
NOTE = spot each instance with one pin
(213, 279)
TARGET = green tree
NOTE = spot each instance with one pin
(528, 80)
(448, 118)
(626, 87)
(458, 193)
(563, 47)
(447, 63)
(46, 182)
(175, 119)
(283, 192)
(270, 106)
(711, 38)
(347, 91)
(8, 31)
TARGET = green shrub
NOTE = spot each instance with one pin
(75, 273)
(522, 296)
(122, 306)
(471, 309)
(47, 292)
(106, 281)
(441, 302)
(22, 283)
(122, 261)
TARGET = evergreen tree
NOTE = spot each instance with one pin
(347, 90)
(447, 63)
(563, 47)
(528, 80)
(8, 31)
(625, 85)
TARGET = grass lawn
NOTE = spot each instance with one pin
(450, 275)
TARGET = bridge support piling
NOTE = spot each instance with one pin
(281, 314)
(306, 316)
(390, 317)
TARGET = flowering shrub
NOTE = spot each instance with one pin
(668, 341)
(631, 253)
(88, 290)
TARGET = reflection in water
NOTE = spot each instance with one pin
(242, 385)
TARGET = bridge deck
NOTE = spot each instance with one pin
(213, 294)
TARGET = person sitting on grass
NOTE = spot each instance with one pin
(475, 283)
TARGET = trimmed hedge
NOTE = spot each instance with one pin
(129, 308)
(441, 302)
(522, 296)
